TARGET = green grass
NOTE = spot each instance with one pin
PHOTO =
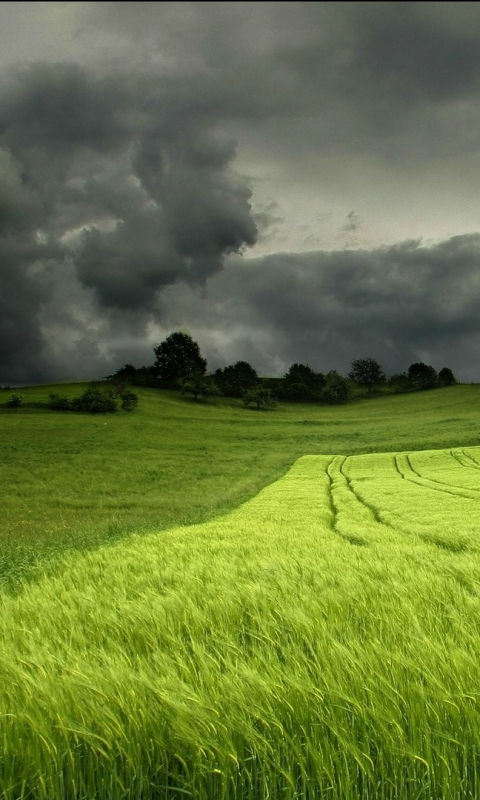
(320, 642)
(71, 480)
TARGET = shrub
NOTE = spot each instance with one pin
(129, 400)
(14, 401)
(58, 402)
(94, 401)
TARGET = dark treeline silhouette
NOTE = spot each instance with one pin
(180, 365)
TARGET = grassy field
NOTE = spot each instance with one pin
(321, 641)
(317, 642)
(72, 480)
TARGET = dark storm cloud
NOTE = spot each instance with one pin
(415, 55)
(119, 180)
(117, 186)
(397, 304)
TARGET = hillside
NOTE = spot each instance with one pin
(79, 480)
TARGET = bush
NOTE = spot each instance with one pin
(129, 400)
(94, 401)
(58, 402)
(14, 401)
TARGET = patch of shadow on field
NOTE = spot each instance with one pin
(318, 422)
(466, 584)
(444, 544)
(352, 538)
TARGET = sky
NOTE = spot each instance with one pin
(287, 182)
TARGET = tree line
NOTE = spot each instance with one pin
(179, 364)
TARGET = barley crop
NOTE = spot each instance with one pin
(321, 642)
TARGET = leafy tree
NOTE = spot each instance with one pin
(400, 383)
(446, 377)
(302, 383)
(122, 392)
(131, 376)
(200, 385)
(366, 372)
(177, 357)
(422, 376)
(236, 379)
(336, 389)
(126, 374)
(260, 397)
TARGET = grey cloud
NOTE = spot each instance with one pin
(352, 222)
(414, 54)
(23, 356)
(397, 304)
(131, 190)
(117, 187)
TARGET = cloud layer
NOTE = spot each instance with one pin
(172, 137)
(398, 304)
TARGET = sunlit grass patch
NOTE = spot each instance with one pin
(260, 655)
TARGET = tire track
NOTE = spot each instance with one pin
(443, 483)
(331, 501)
(334, 472)
(369, 506)
(465, 459)
(404, 467)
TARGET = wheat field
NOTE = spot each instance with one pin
(321, 641)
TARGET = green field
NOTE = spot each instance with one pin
(71, 480)
(321, 640)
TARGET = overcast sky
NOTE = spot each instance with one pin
(288, 182)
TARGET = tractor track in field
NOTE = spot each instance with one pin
(333, 473)
(377, 516)
(340, 481)
(405, 468)
(464, 459)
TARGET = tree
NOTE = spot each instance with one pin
(367, 372)
(302, 383)
(236, 379)
(446, 377)
(177, 357)
(131, 376)
(336, 389)
(260, 397)
(200, 385)
(126, 374)
(400, 383)
(422, 376)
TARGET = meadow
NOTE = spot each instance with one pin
(77, 481)
(320, 640)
